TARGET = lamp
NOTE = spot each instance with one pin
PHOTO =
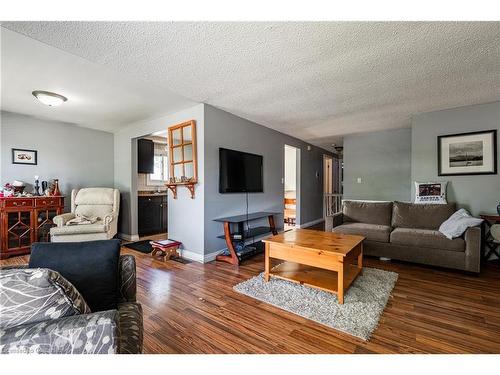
(49, 98)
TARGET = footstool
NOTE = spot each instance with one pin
(165, 249)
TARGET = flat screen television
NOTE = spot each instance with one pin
(240, 172)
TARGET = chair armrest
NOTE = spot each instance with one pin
(61, 220)
(473, 249)
(78, 334)
(128, 286)
(131, 328)
(108, 218)
(333, 221)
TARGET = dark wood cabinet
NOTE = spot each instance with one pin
(152, 217)
(26, 220)
(145, 156)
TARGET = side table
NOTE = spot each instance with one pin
(489, 247)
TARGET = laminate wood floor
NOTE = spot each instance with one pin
(191, 308)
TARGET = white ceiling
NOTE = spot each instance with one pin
(98, 97)
(316, 81)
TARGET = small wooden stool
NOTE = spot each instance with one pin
(166, 249)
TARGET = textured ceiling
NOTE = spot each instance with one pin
(316, 81)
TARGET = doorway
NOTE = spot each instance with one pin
(152, 174)
(332, 185)
(328, 174)
(291, 184)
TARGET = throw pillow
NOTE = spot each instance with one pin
(458, 223)
(92, 267)
(30, 295)
(430, 192)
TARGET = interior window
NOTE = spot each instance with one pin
(160, 169)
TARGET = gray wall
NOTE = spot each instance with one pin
(79, 157)
(478, 194)
(382, 161)
(223, 129)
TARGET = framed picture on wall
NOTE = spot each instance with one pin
(467, 153)
(20, 156)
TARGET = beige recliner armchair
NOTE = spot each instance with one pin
(103, 203)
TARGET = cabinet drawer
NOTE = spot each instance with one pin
(47, 202)
(19, 202)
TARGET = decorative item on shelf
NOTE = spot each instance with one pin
(56, 190)
(18, 186)
(45, 190)
(498, 208)
(36, 189)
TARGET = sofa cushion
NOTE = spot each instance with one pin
(92, 267)
(372, 232)
(457, 224)
(420, 216)
(425, 238)
(367, 212)
(31, 295)
(97, 227)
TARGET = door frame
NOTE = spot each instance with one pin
(297, 182)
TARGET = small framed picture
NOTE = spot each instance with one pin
(20, 156)
(467, 153)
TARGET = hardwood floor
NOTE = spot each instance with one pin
(191, 308)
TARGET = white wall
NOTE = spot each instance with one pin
(78, 157)
(185, 215)
(290, 168)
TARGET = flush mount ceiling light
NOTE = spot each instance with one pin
(49, 98)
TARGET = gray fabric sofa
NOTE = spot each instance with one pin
(408, 232)
(100, 332)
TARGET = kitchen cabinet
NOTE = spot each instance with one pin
(153, 218)
(145, 156)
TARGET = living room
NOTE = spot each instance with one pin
(332, 188)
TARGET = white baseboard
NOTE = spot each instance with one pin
(191, 255)
(210, 257)
(197, 257)
(311, 223)
(128, 237)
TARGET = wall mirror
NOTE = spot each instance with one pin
(182, 154)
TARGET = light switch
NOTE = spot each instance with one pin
(358, 180)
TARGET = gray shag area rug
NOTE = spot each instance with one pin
(364, 301)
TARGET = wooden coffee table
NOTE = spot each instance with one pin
(323, 260)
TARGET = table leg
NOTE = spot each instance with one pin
(266, 263)
(340, 282)
(360, 258)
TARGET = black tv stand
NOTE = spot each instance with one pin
(241, 235)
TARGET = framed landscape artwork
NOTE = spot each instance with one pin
(467, 153)
(20, 156)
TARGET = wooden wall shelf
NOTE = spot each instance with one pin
(188, 185)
